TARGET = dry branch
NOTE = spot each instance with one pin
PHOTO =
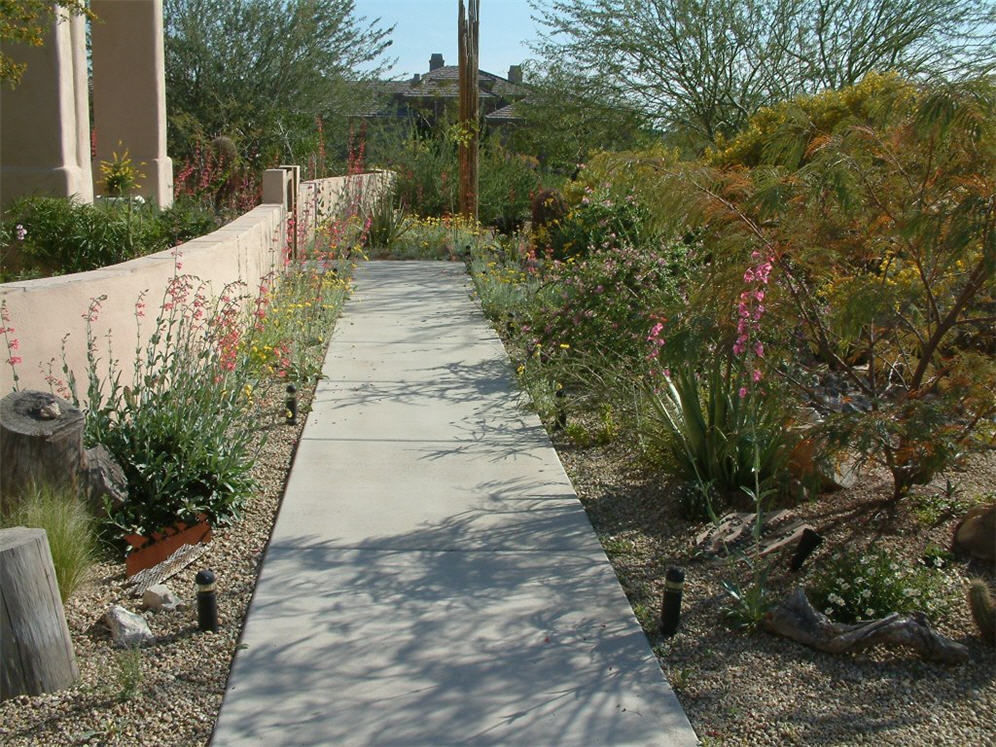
(796, 618)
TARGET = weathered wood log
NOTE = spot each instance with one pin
(796, 618)
(37, 652)
(41, 440)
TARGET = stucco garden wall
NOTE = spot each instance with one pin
(45, 311)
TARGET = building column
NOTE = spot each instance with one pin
(129, 92)
(44, 121)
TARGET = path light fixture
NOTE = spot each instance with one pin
(561, 395)
(207, 601)
(808, 542)
(291, 405)
(674, 580)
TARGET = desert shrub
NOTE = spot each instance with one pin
(70, 528)
(855, 586)
(181, 427)
(59, 236)
(507, 182)
(720, 435)
(601, 305)
(881, 239)
(778, 134)
(599, 221)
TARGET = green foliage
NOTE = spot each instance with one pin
(779, 134)
(599, 221)
(701, 69)
(387, 223)
(70, 529)
(180, 427)
(933, 508)
(507, 181)
(599, 307)
(129, 672)
(861, 586)
(64, 235)
(883, 243)
(567, 116)
(263, 71)
(121, 174)
(428, 176)
(748, 603)
(713, 435)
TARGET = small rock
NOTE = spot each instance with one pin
(49, 411)
(160, 597)
(127, 628)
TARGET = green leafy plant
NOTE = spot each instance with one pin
(864, 585)
(714, 435)
(748, 603)
(70, 528)
(881, 235)
(128, 672)
(44, 236)
(600, 221)
(180, 426)
(121, 174)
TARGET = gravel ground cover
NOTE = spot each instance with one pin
(762, 689)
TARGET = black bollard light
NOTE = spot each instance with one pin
(674, 580)
(291, 405)
(207, 601)
(808, 542)
(561, 410)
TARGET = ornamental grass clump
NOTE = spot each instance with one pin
(69, 526)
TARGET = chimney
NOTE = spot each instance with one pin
(416, 78)
(515, 74)
(436, 62)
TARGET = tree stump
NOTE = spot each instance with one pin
(36, 652)
(41, 440)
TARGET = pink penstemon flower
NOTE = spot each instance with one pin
(750, 309)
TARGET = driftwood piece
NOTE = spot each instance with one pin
(41, 439)
(184, 556)
(796, 618)
(37, 652)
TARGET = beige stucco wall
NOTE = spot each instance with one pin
(44, 311)
(129, 92)
(44, 121)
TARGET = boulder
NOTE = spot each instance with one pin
(975, 534)
(127, 628)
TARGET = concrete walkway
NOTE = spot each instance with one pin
(432, 578)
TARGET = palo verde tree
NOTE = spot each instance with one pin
(706, 67)
(263, 71)
(880, 224)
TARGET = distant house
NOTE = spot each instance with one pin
(432, 97)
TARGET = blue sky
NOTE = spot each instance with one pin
(426, 26)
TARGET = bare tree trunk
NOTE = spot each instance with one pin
(37, 652)
(468, 29)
